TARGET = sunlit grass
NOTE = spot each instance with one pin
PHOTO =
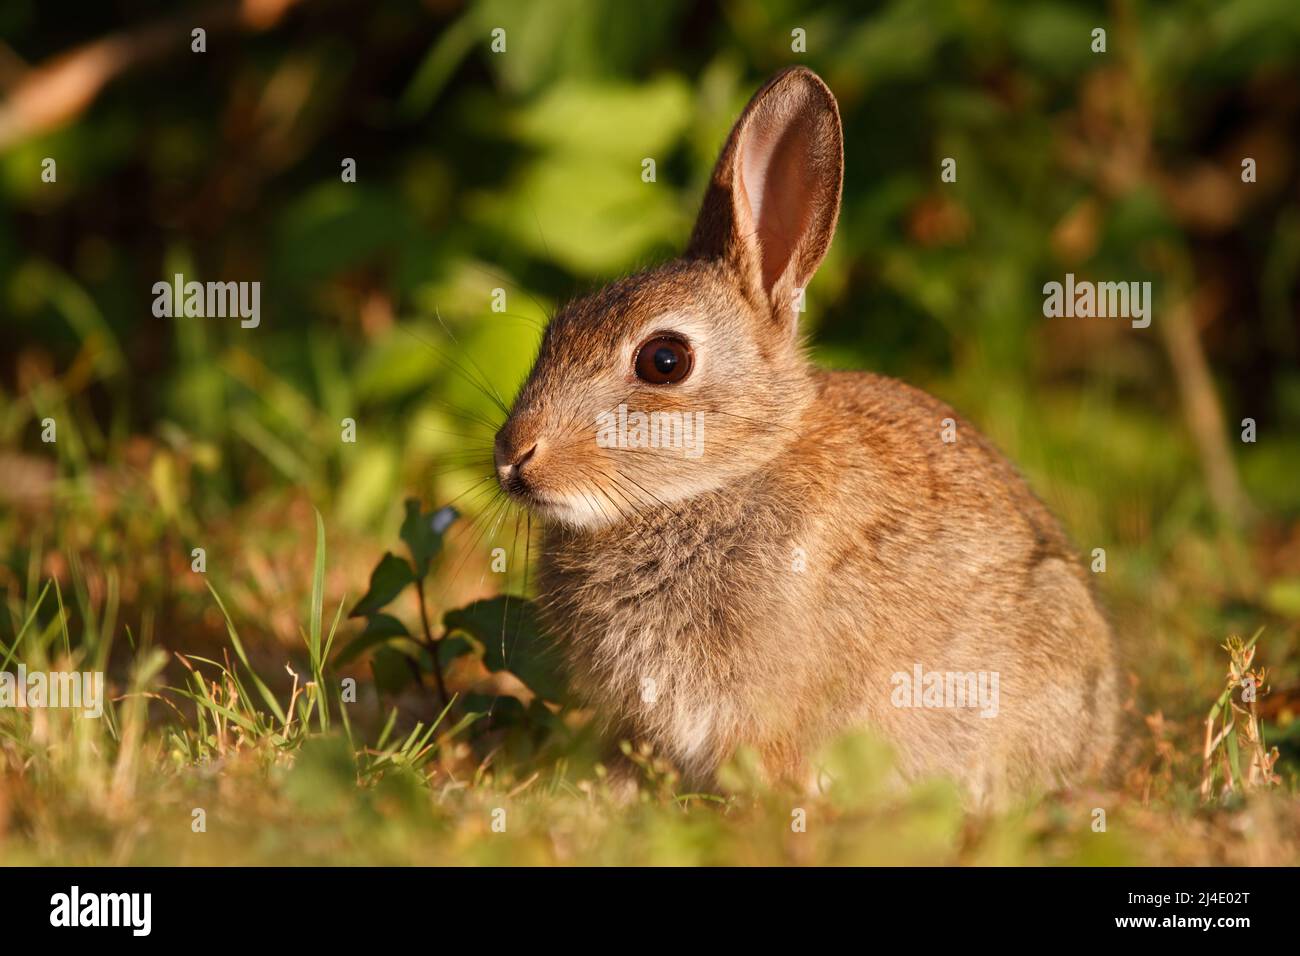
(228, 764)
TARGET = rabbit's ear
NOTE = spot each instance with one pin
(772, 203)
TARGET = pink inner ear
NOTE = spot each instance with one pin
(779, 185)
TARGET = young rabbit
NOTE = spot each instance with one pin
(793, 552)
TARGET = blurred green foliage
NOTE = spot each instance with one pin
(522, 170)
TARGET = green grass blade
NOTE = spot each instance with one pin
(262, 689)
(317, 594)
(31, 616)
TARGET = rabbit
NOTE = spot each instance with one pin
(823, 547)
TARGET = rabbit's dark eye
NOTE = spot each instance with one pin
(664, 360)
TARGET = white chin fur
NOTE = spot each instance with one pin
(581, 512)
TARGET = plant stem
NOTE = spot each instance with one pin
(433, 645)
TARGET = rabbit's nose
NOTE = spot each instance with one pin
(510, 460)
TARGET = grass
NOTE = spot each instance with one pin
(220, 758)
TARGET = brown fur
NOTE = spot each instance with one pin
(826, 539)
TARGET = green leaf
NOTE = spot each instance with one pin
(368, 483)
(392, 670)
(380, 628)
(626, 121)
(422, 531)
(334, 227)
(1283, 597)
(512, 641)
(505, 711)
(619, 219)
(386, 582)
(550, 42)
(393, 365)
(450, 648)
